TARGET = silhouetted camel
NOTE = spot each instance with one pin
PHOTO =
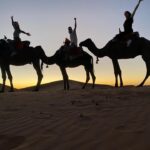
(23, 56)
(84, 59)
(115, 51)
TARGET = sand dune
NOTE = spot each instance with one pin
(7, 88)
(58, 85)
(105, 118)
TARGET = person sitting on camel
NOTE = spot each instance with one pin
(128, 30)
(65, 49)
(73, 34)
(17, 32)
(70, 51)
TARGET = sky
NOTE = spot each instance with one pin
(47, 22)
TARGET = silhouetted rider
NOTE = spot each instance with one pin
(128, 23)
(17, 31)
(73, 34)
(129, 19)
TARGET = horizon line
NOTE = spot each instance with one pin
(22, 86)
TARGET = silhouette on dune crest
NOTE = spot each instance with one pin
(83, 59)
(26, 55)
(117, 50)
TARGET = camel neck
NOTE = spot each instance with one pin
(51, 60)
(93, 48)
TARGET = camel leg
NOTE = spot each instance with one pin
(65, 78)
(10, 78)
(117, 72)
(87, 78)
(147, 74)
(121, 81)
(93, 77)
(4, 79)
(39, 74)
(142, 83)
(91, 70)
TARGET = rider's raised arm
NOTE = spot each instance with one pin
(12, 20)
(75, 24)
(135, 9)
(25, 32)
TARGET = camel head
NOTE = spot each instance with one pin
(3, 43)
(92, 47)
(86, 42)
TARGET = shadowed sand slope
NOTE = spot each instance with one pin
(105, 118)
(58, 85)
(7, 88)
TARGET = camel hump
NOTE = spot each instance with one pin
(125, 37)
(136, 34)
(70, 52)
(22, 44)
(39, 46)
(26, 43)
(75, 50)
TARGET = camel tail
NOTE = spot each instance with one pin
(97, 60)
(42, 54)
(42, 65)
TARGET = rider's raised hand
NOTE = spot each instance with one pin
(12, 17)
(28, 34)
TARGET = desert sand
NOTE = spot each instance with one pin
(104, 118)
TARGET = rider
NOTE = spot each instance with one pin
(73, 34)
(67, 42)
(128, 23)
(70, 46)
(66, 49)
(17, 31)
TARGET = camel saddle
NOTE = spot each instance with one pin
(18, 44)
(123, 37)
(22, 44)
(73, 52)
(70, 52)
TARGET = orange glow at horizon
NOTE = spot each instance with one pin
(104, 82)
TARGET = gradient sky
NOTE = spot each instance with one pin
(48, 20)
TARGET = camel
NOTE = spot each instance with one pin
(117, 50)
(27, 55)
(84, 59)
